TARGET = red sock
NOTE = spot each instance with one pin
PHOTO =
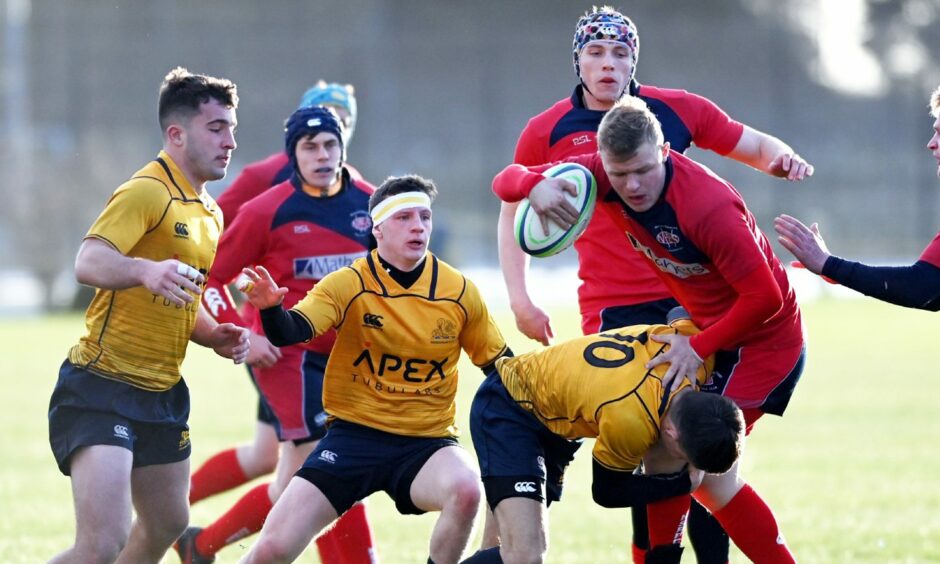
(244, 518)
(667, 519)
(639, 554)
(220, 473)
(751, 525)
(349, 540)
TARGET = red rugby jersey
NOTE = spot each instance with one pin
(568, 129)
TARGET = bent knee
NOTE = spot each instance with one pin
(466, 495)
(100, 548)
(270, 550)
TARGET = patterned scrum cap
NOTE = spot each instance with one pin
(604, 24)
(332, 94)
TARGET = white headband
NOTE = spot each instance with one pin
(393, 204)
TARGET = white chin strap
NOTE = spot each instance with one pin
(393, 204)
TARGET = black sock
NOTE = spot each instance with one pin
(488, 556)
(708, 539)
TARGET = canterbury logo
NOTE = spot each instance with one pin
(214, 301)
(328, 456)
(525, 487)
(372, 320)
(120, 431)
(182, 230)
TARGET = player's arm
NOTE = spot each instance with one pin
(226, 339)
(531, 320)
(916, 286)
(770, 155)
(100, 265)
(620, 488)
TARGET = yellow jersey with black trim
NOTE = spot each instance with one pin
(134, 335)
(394, 364)
(597, 386)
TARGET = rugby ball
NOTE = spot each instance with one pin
(528, 228)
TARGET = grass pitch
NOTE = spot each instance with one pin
(849, 470)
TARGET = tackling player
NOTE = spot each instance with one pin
(694, 232)
(605, 50)
(528, 419)
(916, 286)
(402, 316)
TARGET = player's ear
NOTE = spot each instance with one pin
(175, 135)
(665, 149)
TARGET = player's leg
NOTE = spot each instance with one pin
(293, 390)
(745, 516)
(448, 482)
(299, 515)
(233, 467)
(160, 500)
(101, 492)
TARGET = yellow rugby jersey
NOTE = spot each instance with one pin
(597, 386)
(135, 335)
(394, 364)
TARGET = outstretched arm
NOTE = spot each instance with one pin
(916, 286)
(770, 155)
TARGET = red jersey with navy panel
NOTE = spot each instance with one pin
(298, 238)
(704, 245)
(568, 129)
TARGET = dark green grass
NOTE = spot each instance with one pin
(850, 470)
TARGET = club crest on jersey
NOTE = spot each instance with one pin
(445, 332)
(361, 222)
(668, 237)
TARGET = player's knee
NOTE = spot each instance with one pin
(465, 496)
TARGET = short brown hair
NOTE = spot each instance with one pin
(182, 92)
(400, 184)
(711, 430)
(626, 127)
(935, 103)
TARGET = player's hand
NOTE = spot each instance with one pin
(262, 354)
(683, 361)
(176, 281)
(261, 289)
(791, 166)
(550, 204)
(230, 341)
(805, 243)
(534, 323)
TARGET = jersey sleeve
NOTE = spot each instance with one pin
(324, 304)
(932, 253)
(531, 148)
(136, 207)
(712, 128)
(242, 244)
(516, 181)
(479, 337)
(624, 436)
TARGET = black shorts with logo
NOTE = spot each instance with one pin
(87, 409)
(354, 461)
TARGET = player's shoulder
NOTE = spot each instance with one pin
(271, 164)
(545, 120)
(646, 91)
(269, 200)
(450, 282)
(150, 181)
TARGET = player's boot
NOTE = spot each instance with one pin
(185, 546)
